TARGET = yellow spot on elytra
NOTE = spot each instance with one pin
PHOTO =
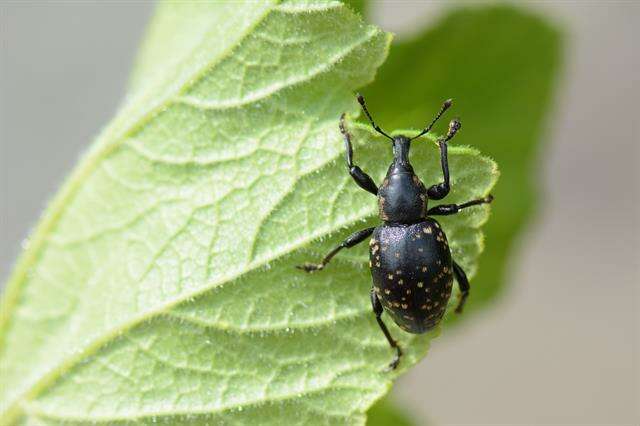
(423, 307)
(426, 230)
(424, 269)
(390, 276)
(405, 306)
(400, 282)
(420, 284)
(408, 291)
(387, 291)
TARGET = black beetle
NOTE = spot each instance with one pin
(410, 259)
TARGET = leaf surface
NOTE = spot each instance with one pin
(160, 286)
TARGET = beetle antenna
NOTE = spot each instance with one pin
(445, 106)
(366, 111)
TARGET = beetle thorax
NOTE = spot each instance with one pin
(402, 198)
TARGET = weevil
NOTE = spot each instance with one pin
(410, 258)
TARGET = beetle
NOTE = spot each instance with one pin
(410, 259)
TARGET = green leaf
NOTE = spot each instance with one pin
(159, 286)
(359, 6)
(499, 64)
(385, 412)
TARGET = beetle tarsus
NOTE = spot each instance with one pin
(461, 302)
(396, 360)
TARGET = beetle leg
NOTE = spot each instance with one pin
(350, 241)
(363, 180)
(463, 284)
(377, 309)
(447, 209)
(440, 190)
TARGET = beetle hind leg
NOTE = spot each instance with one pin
(377, 309)
(463, 283)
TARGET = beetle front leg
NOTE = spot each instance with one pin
(377, 309)
(350, 241)
(463, 284)
(447, 209)
(440, 190)
(363, 180)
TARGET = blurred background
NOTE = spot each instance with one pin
(560, 344)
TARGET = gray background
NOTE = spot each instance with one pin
(560, 348)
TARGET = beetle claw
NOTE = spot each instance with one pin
(396, 360)
(392, 366)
